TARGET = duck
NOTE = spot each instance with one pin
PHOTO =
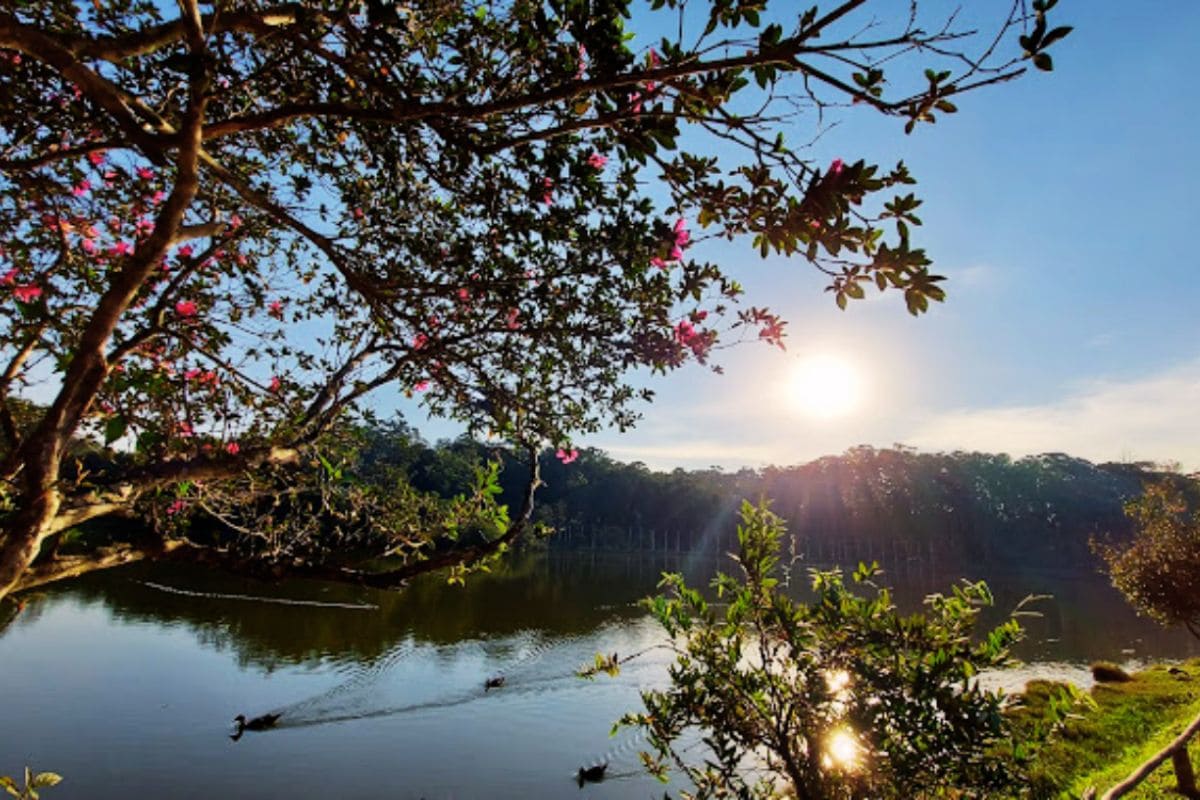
(592, 774)
(493, 683)
(261, 723)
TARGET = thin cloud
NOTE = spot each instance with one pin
(1151, 419)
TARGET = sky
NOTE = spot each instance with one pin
(1061, 209)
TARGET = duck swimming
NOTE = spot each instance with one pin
(593, 774)
(261, 723)
(493, 683)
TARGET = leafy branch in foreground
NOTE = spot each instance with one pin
(839, 697)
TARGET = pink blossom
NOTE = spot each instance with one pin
(185, 308)
(176, 507)
(547, 186)
(145, 173)
(232, 448)
(635, 102)
(82, 188)
(358, 213)
(652, 58)
(420, 386)
(566, 456)
(658, 262)
(27, 293)
(464, 295)
(121, 248)
(185, 430)
(9, 277)
(235, 222)
(96, 157)
(210, 378)
(276, 384)
(276, 309)
(835, 167)
(684, 332)
(419, 341)
(582, 68)
(511, 319)
(158, 197)
(185, 251)
(89, 246)
(688, 336)
(682, 237)
(192, 374)
(597, 161)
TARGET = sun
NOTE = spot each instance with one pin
(826, 385)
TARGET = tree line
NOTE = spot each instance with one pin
(889, 503)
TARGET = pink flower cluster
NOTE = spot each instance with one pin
(687, 335)
(25, 293)
(681, 239)
(566, 456)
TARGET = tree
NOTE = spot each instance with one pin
(839, 697)
(1158, 572)
(224, 229)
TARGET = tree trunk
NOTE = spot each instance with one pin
(23, 539)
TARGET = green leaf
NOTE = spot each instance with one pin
(114, 429)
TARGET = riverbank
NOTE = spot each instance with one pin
(1131, 722)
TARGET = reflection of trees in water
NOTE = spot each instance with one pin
(557, 596)
(554, 596)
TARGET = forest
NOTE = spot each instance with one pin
(886, 504)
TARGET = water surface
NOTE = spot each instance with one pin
(126, 682)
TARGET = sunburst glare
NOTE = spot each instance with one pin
(826, 385)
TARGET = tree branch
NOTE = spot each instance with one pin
(36, 44)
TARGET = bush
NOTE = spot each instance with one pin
(839, 697)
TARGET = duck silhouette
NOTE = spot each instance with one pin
(260, 723)
(592, 774)
(493, 683)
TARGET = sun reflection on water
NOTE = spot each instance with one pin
(842, 750)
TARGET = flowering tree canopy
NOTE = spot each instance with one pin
(225, 225)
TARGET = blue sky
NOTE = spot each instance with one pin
(1061, 207)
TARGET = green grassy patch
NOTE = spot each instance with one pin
(1132, 721)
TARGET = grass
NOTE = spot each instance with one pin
(1131, 722)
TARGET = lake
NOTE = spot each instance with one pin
(125, 682)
